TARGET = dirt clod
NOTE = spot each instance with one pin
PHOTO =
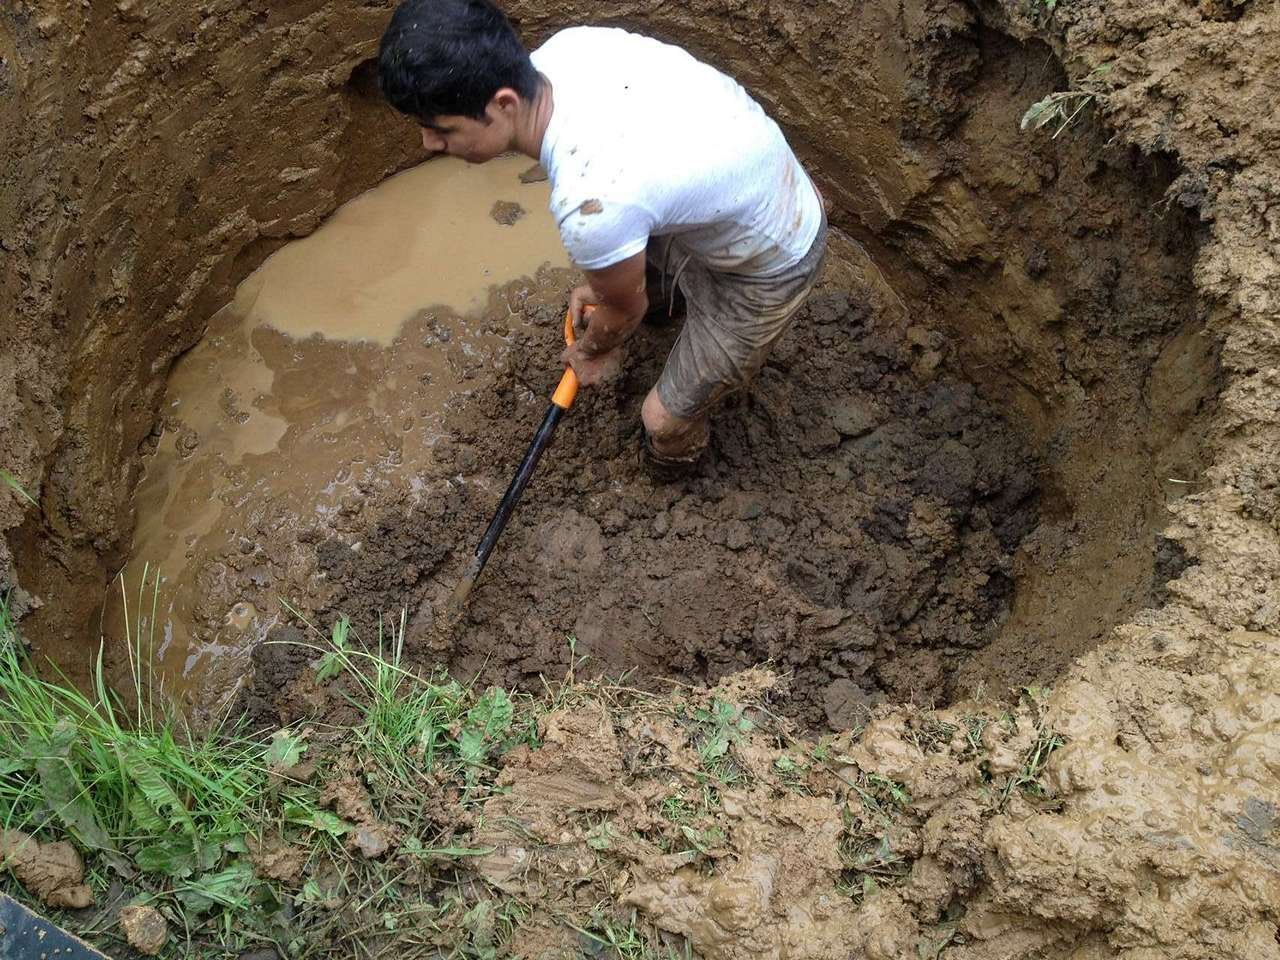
(349, 799)
(276, 860)
(144, 928)
(506, 212)
(854, 515)
(54, 872)
(372, 840)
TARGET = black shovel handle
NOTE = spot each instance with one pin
(561, 400)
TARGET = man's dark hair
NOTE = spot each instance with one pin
(450, 57)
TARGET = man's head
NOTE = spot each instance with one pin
(458, 68)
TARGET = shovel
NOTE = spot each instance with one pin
(561, 401)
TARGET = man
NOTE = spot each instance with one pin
(653, 157)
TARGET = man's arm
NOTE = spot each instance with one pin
(618, 295)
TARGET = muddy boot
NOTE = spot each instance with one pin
(665, 469)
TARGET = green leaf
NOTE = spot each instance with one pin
(471, 747)
(600, 837)
(227, 888)
(11, 765)
(142, 814)
(11, 481)
(492, 713)
(316, 819)
(330, 666)
(66, 795)
(207, 856)
(487, 720)
(172, 857)
(157, 791)
(285, 750)
(331, 663)
(1042, 112)
(716, 747)
(698, 838)
(479, 921)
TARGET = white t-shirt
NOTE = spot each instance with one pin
(644, 139)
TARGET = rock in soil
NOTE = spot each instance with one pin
(372, 840)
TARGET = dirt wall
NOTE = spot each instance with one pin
(154, 154)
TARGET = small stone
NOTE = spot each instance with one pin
(144, 928)
(372, 841)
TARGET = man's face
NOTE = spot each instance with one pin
(475, 141)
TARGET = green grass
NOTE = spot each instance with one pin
(171, 812)
(158, 805)
(715, 729)
(117, 781)
(615, 939)
(413, 724)
(1027, 777)
(11, 482)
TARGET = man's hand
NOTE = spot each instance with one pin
(592, 369)
(617, 300)
(579, 299)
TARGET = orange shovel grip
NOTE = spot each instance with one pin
(568, 388)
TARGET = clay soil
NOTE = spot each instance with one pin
(1023, 436)
(854, 524)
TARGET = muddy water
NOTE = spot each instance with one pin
(325, 379)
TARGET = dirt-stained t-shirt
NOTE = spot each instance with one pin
(645, 140)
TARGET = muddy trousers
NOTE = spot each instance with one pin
(731, 323)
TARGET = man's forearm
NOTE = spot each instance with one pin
(610, 326)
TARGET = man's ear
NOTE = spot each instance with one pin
(506, 100)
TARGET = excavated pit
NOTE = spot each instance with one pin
(950, 478)
(1095, 311)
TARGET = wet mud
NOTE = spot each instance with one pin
(854, 523)
(325, 379)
